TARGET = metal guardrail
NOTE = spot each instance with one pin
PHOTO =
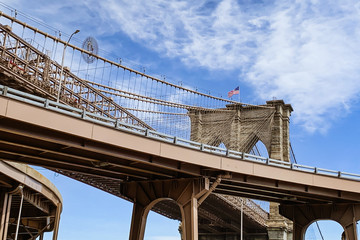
(119, 125)
(39, 73)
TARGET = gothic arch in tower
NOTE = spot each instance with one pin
(239, 127)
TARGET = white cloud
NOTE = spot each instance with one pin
(305, 52)
(311, 59)
(218, 36)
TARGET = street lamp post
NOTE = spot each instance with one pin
(62, 65)
(242, 219)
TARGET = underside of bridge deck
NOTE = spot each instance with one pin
(109, 166)
(29, 204)
(25, 142)
(218, 217)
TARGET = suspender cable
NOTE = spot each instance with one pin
(318, 227)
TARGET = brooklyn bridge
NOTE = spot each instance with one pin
(184, 154)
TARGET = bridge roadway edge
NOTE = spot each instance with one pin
(341, 190)
(56, 121)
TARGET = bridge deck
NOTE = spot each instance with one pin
(36, 135)
(22, 146)
(24, 190)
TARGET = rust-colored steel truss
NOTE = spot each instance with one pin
(25, 67)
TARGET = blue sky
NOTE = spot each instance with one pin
(303, 51)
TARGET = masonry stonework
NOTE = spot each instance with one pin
(239, 128)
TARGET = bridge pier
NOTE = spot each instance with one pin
(145, 194)
(279, 228)
(5, 214)
(305, 214)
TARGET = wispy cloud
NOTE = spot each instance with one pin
(209, 34)
(310, 57)
(305, 52)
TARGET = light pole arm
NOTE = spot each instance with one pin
(62, 65)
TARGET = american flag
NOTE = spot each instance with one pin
(233, 92)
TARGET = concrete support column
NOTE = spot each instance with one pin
(278, 227)
(299, 231)
(138, 222)
(190, 220)
(5, 215)
(57, 221)
(351, 231)
(145, 194)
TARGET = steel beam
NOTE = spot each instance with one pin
(5, 216)
(36, 200)
(145, 194)
(303, 215)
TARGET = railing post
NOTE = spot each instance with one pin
(83, 114)
(46, 103)
(117, 123)
(5, 90)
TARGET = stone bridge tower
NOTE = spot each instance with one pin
(239, 128)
